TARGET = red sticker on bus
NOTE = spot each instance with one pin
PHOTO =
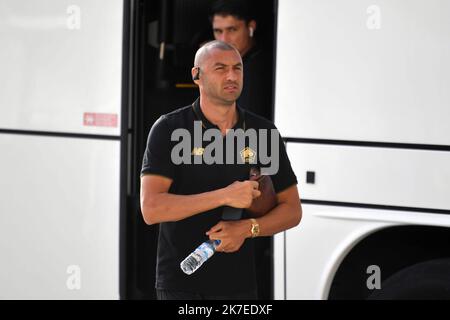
(100, 119)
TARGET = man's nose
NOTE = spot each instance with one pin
(224, 36)
(232, 75)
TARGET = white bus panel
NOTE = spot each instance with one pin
(364, 70)
(383, 176)
(61, 65)
(59, 218)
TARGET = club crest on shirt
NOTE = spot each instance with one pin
(248, 155)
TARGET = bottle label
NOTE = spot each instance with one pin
(205, 250)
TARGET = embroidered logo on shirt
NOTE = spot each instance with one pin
(198, 151)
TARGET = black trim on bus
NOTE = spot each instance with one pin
(274, 61)
(373, 206)
(284, 266)
(272, 116)
(274, 12)
(59, 134)
(394, 145)
(124, 146)
(285, 260)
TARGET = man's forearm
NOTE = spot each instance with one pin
(165, 207)
(282, 217)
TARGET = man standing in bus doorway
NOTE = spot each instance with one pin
(187, 198)
(233, 22)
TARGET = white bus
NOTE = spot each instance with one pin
(361, 97)
(363, 100)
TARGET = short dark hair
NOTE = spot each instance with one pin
(239, 9)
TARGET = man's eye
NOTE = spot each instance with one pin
(219, 68)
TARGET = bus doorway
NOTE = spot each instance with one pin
(167, 34)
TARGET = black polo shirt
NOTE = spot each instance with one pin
(224, 273)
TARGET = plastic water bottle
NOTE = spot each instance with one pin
(199, 256)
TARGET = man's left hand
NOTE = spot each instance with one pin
(231, 234)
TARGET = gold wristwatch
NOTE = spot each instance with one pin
(255, 228)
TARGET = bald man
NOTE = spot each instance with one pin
(187, 197)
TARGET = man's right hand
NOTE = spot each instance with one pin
(241, 194)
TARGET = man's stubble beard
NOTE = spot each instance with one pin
(215, 94)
